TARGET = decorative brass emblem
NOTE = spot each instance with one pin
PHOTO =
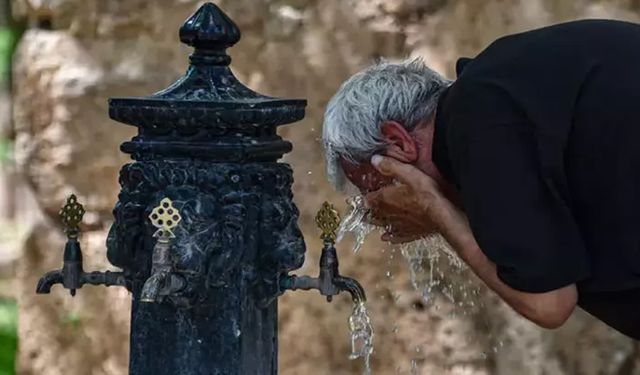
(328, 221)
(165, 217)
(71, 215)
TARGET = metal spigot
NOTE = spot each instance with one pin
(72, 275)
(163, 281)
(329, 282)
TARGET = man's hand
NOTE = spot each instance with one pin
(403, 209)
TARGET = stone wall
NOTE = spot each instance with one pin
(80, 52)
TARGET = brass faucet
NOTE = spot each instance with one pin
(329, 282)
(72, 275)
(163, 281)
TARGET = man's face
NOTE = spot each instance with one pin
(364, 176)
(402, 145)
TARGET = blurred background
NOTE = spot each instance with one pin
(61, 59)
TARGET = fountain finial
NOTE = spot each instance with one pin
(210, 31)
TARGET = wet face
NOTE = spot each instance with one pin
(401, 144)
(411, 147)
(364, 176)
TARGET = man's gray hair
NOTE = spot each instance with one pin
(405, 92)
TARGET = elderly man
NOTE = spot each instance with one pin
(528, 164)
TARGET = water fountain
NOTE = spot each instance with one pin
(205, 229)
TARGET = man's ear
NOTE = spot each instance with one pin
(400, 144)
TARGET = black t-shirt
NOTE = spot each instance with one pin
(541, 135)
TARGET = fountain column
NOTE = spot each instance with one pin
(209, 144)
(205, 228)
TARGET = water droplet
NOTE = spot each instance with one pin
(414, 367)
(426, 298)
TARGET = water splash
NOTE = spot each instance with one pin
(361, 336)
(356, 222)
(434, 268)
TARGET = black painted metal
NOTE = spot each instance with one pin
(329, 282)
(72, 275)
(204, 301)
(210, 145)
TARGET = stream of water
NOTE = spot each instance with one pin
(361, 336)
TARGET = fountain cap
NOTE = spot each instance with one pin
(208, 96)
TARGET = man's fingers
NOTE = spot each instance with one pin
(404, 173)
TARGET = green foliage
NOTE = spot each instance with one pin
(73, 319)
(8, 39)
(5, 151)
(7, 44)
(8, 336)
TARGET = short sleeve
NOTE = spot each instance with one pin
(519, 221)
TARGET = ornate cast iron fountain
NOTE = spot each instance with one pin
(205, 229)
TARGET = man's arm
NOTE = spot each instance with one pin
(548, 310)
(424, 201)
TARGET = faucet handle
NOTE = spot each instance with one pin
(72, 275)
(328, 220)
(165, 217)
(329, 282)
(71, 215)
(163, 281)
